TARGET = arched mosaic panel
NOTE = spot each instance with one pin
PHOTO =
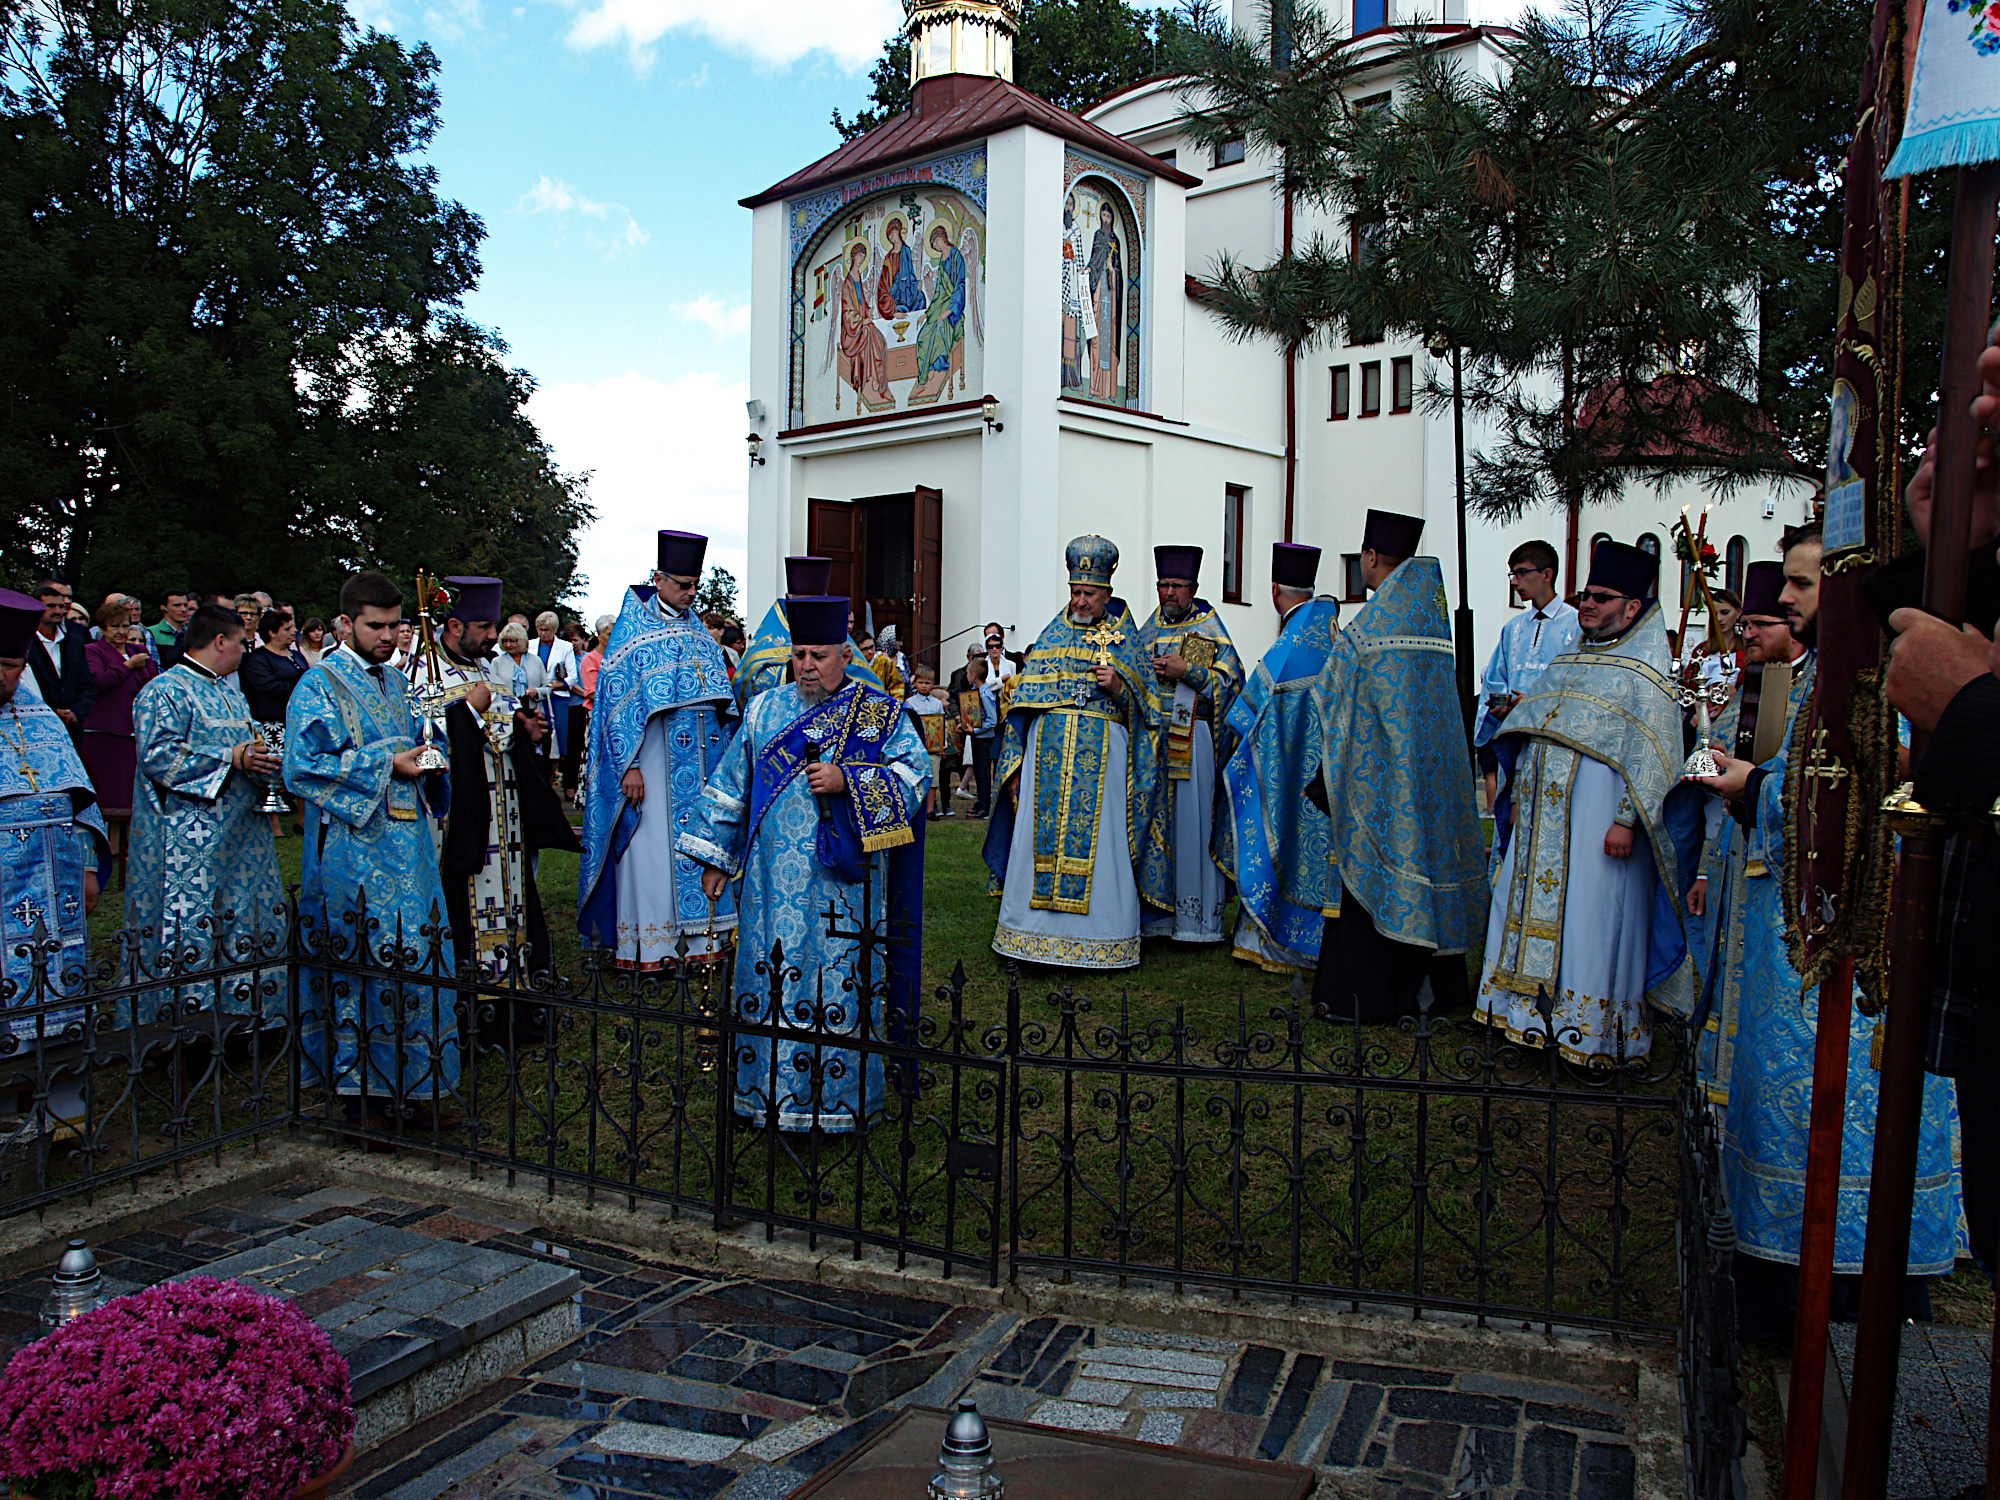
(1101, 290)
(890, 302)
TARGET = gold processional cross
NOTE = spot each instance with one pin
(1104, 635)
(1820, 766)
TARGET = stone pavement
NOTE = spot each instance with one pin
(1942, 1390)
(686, 1384)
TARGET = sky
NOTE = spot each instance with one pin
(605, 144)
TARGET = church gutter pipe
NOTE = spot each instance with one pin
(1291, 397)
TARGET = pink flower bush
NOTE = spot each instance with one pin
(196, 1390)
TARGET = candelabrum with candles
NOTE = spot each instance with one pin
(427, 695)
(1699, 563)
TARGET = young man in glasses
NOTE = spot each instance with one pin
(1541, 632)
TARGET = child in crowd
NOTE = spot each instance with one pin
(929, 712)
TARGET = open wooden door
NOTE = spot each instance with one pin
(926, 603)
(839, 530)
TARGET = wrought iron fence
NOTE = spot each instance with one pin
(1711, 1359)
(1434, 1166)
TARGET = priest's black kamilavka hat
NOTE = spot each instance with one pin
(681, 553)
(19, 615)
(1177, 562)
(1762, 583)
(1392, 535)
(1624, 569)
(1294, 565)
(473, 597)
(818, 620)
(808, 576)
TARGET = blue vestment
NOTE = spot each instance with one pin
(1072, 739)
(201, 880)
(1528, 642)
(1757, 1058)
(344, 727)
(1192, 718)
(1598, 742)
(768, 662)
(904, 289)
(1273, 842)
(759, 821)
(51, 834)
(1404, 834)
(662, 696)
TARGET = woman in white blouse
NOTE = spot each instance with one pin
(517, 670)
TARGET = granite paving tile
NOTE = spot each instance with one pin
(384, 1360)
(1077, 1416)
(1135, 1375)
(766, 1484)
(601, 1475)
(714, 1371)
(437, 1446)
(1606, 1473)
(1098, 1392)
(343, 1227)
(310, 1276)
(1230, 1432)
(649, 1348)
(1452, 1406)
(1159, 1359)
(1167, 1397)
(1548, 1462)
(1058, 1348)
(1256, 1373)
(1430, 1447)
(1576, 1416)
(1291, 1407)
(634, 1383)
(780, 1442)
(741, 1426)
(1010, 1402)
(1317, 1421)
(881, 1384)
(1058, 1380)
(421, 1294)
(1162, 1427)
(1488, 1459)
(810, 1460)
(1154, 1338)
(942, 1389)
(1482, 1384)
(387, 1241)
(799, 1383)
(1019, 1355)
(522, 1294)
(1357, 1421)
(1385, 1375)
(666, 1442)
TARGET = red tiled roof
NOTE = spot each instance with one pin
(950, 111)
(1674, 400)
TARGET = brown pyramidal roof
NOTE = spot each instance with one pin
(950, 111)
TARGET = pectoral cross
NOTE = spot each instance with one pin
(1104, 635)
(1821, 766)
(27, 763)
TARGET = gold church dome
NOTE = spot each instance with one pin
(974, 37)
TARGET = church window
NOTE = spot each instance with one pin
(1403, 384)
(1354, 587)
(1732, 565)
(1370, 14)
(1229, 153)
(1602, 536)
(1170, 156)
(1373, 101)
(1366, 248)
(1371, 388)
(1649, 543)
(1338, 411)
(1235, 540)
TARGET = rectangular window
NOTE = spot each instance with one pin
(1350, 577)
(1235, 540)
(1402, 383)
(1371, 388)
(1373, 101)
(1171, 158)
(1229, 153)
(1370, 14)
(1365, 247)
(1337, 412)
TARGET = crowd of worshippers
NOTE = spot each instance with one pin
(1136, 774)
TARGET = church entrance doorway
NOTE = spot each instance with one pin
(888, 557)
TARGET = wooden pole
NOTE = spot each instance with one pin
(1913, 921)
(1824, 1136)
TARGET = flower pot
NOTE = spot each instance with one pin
(316, 1488)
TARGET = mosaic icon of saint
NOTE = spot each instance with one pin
(896, 289)
(1107, 294)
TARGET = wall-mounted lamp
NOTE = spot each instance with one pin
(1439, 343)
(756, 449)
(989, 408)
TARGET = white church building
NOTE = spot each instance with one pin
(976, 332)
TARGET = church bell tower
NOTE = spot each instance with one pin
(971, 37)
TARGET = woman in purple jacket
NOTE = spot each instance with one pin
(120, 665)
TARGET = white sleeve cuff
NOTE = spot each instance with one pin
(722, 800)
(697, 848)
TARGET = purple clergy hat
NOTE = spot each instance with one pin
(808, 577)
(474, 598)
(1177, 562)
(1624, 569)
(19, 615)
(1762, 583)
(681, 553)
(1392, 535)
(1294, 565)
(818, 620)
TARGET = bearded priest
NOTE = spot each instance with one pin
(658, 729)
(1196, 673)
(1077, 840)
(816, 813)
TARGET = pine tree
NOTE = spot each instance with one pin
(1589, 229)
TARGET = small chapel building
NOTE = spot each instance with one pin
(978, 330)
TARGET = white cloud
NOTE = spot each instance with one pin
(717, 316)
(776, 32)
(551, 195)
(442, 21)
(662, 455)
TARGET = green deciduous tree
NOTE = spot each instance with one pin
(1070, 52)
(229, 355)
(717, 595)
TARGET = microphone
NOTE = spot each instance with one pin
(812, 759)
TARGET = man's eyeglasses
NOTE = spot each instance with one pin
(1603, 596)
(1525, 572)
